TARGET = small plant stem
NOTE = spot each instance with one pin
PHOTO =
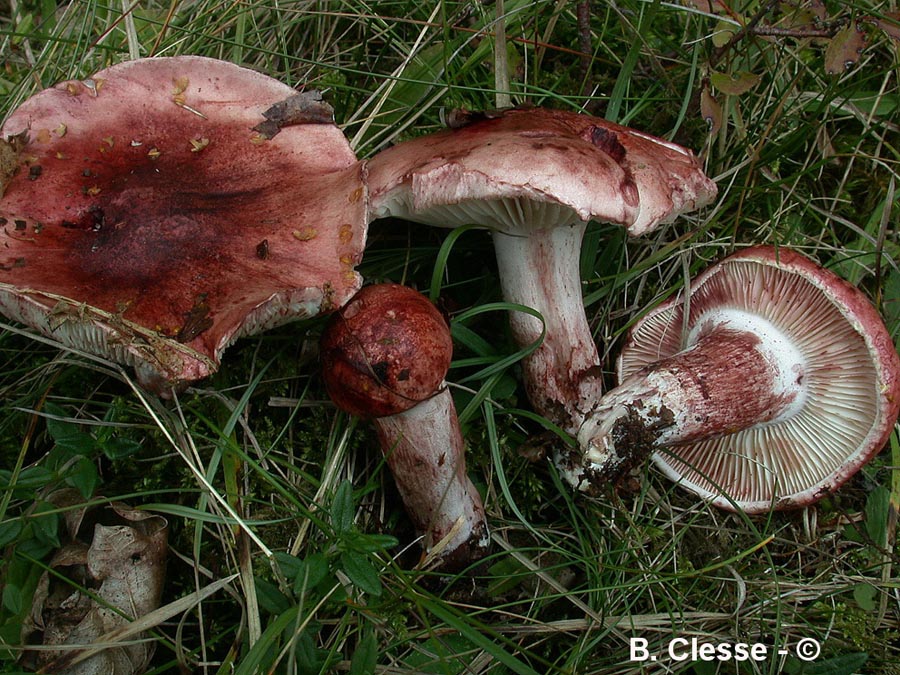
(501, 59)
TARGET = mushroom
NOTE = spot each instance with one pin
(165, 207)
(765, 387)
(535, 177)
(384, 357)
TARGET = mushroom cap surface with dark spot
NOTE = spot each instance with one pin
(158, 225)
(851, 376)
(386, 350)
(536, 167)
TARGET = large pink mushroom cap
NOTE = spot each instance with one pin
(165, 207)
(525, 169)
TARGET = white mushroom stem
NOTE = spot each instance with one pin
(540, 270)
(425, 451)
(738, 371)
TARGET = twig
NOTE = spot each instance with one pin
(501, 59)
(742, 33)
(801, 32)
(584, 46)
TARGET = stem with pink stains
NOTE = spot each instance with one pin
(731, 377)
(425, 451)
(541, 270)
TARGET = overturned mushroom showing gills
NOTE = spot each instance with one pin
(535, 177)
(165, 207)
(384, 357)
(777, 386)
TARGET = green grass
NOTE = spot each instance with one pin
(264, 483)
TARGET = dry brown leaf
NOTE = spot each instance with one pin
(119, 554)
(844, 49)
(72, 507)
(304, 108)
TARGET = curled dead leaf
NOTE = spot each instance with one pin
(711, 111)
(844, 49)
(118, 555)
(457, 118)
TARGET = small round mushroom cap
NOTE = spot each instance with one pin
(851, 381)
(165, 207)
(386, 350)
(529, 168)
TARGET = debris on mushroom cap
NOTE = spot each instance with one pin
(386, 350)
(850, 384)
(148, 222)
(565, 160)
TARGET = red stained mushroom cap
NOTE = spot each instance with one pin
(167, 206)
(385, 351)
(851, 381)
(497, 169)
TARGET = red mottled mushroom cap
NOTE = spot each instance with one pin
(165, 207)
(385, 351)
(525, 168)
(851, 381)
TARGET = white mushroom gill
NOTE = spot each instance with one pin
(513, 215)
